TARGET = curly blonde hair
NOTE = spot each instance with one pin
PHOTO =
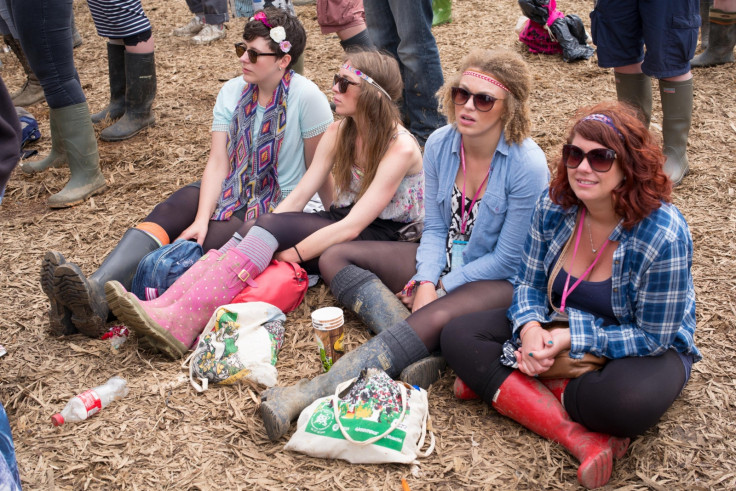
(509, 69)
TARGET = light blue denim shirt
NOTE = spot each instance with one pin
(493, 252)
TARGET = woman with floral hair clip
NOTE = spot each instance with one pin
(483, 176)
(265, 130)
(377, 167)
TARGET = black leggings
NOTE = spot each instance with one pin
(624, 399)
(178, 212)
(395, 263)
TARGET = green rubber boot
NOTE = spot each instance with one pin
(677, 112)
(721, 40)
(636, 89)
(74, 129)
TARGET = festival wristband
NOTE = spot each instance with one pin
(412, 285)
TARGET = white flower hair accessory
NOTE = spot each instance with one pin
(278, 33)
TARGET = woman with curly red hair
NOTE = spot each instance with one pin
(605, 278)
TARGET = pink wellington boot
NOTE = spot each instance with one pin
(172, 329)
(525, 400)
(185, 281)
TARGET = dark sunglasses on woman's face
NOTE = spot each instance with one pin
(599, 159)
(342, 83)
(241, 49)
(482, 102)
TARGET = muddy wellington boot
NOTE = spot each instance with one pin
(705, 6)
(60, 317)
(55, 158)
(80, 146)
(525, 400)
(31, 92)
(677, 112)
(140, 91)
(363, 293)
(85, 296)
(116, 73)
(391, 351)
(721, 41)
(173, 329)
(636, 89)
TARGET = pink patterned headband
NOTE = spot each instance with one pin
(485, 77)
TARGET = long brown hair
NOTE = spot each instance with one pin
(509, 69)
(640, 156)
(375, 114)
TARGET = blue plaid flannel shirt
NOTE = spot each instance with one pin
(653, 296)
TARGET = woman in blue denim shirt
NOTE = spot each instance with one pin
(608, 259)
(483, 175)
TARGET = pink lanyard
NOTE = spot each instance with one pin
(464, 221)
(567, 291)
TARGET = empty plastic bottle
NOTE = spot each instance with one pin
(89, 402)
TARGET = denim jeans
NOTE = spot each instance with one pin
(404, 29)
(45, 30)
(215, 11)
(7, 26)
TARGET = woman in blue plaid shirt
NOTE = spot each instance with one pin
(607, 259)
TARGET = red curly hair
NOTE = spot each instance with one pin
(645, 185)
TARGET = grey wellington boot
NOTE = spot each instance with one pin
(60, 317)
(32, 92)
(116, 73)
(362, 292)
(721, 42)
(57, 156)
(80, 145)
(705, 6)
(390, 351)
(140, 91)
(677, 112)
(636, 89)
(85, 297)
(424, 372)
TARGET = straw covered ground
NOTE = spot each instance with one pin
(164, 435)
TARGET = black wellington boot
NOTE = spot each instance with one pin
(85, 297)
(140, 91)
(391, 351)
(116, 72)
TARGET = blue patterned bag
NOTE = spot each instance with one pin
(158, 270)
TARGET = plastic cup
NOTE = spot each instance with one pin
(329, 333)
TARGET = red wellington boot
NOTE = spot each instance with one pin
(525, 400)
(462, 391)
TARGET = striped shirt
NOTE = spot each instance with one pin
(118, 19)
(652, 292)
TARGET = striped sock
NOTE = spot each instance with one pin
(259, 245)
(234, 240)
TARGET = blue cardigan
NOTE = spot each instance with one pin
(493, 252)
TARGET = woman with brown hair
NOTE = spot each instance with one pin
(378, 172)
(607, 260)
(484, 175)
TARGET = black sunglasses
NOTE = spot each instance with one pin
(482, 102)
(342, 83)
(599, 159)
(241, 49)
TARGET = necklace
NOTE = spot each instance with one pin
(590, 236)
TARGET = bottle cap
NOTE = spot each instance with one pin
(57, 419)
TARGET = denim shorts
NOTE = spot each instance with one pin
(668, 28)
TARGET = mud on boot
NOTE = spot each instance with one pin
(424, 372)
(60, 317)
(85, 300)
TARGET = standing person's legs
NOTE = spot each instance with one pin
(215, 16)
(31, 92)
(418, 57)
(346, 18)
(44, 27)
(721, 19)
